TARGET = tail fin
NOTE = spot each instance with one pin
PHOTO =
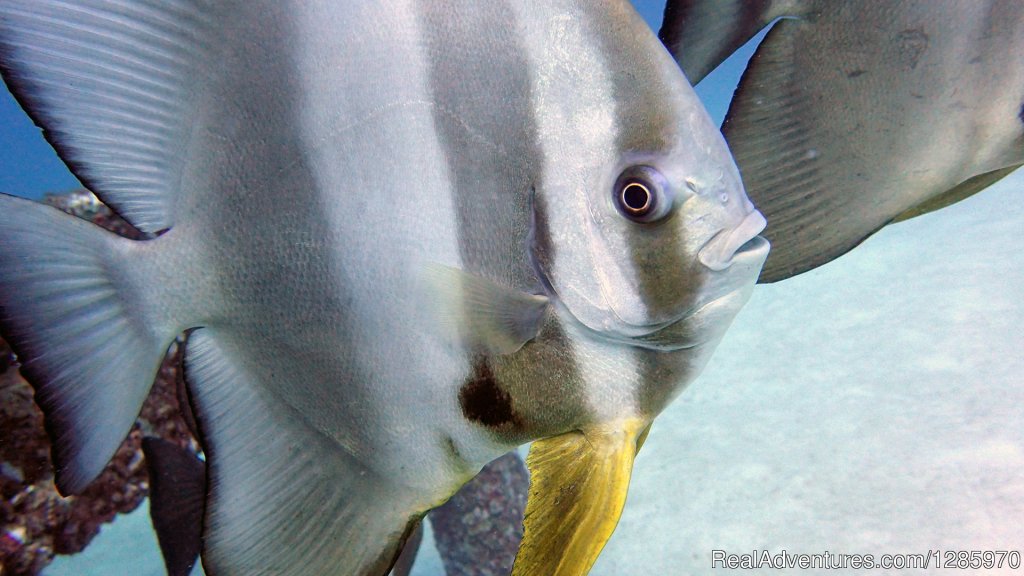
(68, 309)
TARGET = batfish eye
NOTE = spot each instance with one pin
(641, 194)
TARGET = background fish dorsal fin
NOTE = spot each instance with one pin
(112, 84)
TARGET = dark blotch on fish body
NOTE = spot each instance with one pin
(483, 399)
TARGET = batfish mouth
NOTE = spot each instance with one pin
(736, 256)
(719, 252)
(754, 248)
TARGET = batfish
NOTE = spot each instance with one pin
(852, 115)
(402, 238)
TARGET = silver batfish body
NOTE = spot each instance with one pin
(402, 240)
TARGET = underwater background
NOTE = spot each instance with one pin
(874, 405)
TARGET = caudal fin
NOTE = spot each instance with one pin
(67, 308)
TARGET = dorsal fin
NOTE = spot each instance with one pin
(111, 83)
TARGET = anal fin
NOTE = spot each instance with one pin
(283, 498)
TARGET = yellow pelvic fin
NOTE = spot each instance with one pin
(578, 484)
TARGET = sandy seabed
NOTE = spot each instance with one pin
(872, 406)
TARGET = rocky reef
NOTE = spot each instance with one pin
(479, 529)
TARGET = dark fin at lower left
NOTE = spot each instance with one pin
(284, 499)
(177, 492)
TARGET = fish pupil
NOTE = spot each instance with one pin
(636, 199)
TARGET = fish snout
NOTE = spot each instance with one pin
(740, 242)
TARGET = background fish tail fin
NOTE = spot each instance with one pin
(701, 34)
(63, 308)
(284, 498)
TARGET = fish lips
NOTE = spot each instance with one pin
(719, 252)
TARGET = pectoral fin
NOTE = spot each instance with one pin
(578, 484)
(486, 316)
